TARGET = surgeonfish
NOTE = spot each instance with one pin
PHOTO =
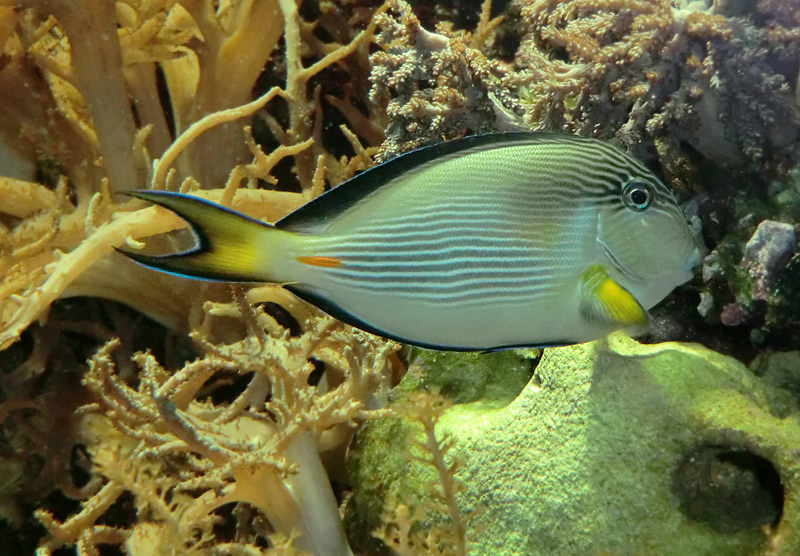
(480, 243)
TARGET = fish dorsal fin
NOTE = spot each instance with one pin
(333, 202)
(604, 302)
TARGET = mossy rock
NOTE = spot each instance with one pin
(614, 447)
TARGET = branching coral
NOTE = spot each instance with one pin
(658, 74)
(159, 94)
(183, 456)
(436, 85)
(451, 537)
(84, 77)
(664, 78)
(65, 243)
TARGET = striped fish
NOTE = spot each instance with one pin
(481, 243)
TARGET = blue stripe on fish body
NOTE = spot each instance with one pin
(478, 243)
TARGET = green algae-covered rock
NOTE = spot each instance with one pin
(614, 448)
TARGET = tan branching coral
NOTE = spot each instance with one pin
(102, 97)
(451, 532)
(81, 61)
(65, 244)
(183, 456)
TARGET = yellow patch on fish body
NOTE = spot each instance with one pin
(486, 242)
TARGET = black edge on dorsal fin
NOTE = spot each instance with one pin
(331, 203)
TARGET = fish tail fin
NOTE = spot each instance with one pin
(230, 246)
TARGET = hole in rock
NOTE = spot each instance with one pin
(729, 489)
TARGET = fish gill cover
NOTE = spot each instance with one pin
(118, 431)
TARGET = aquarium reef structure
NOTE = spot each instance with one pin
(142, 413)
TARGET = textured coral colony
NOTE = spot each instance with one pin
(143, 413)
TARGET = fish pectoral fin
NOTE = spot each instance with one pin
(605, 302)
(228, 243)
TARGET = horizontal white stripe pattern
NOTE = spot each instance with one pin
(507, 226)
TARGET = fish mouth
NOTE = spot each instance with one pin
(617, 265)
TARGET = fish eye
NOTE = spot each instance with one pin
(637, 195)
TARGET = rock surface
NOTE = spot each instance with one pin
(613, 448)
(767, 253)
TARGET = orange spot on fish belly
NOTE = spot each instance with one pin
(329, 262)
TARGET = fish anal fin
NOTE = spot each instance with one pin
(606, 303)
